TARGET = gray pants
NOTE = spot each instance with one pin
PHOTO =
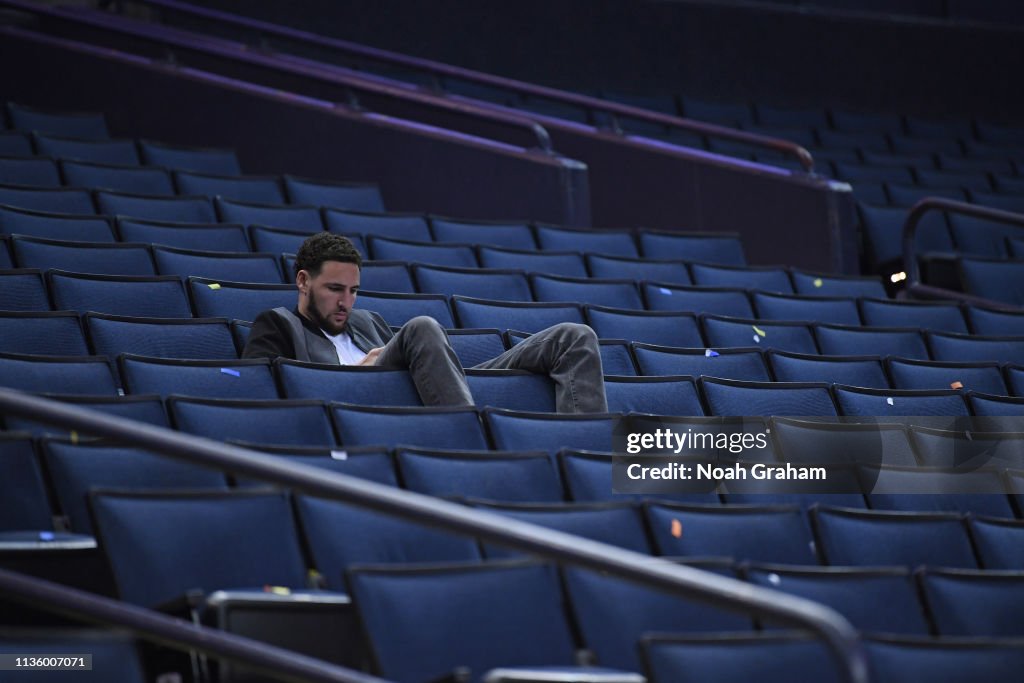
(568, 353)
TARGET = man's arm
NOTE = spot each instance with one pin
(269, 338)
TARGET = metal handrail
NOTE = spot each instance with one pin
(238, 51)
(913, 269)
(285, 665)
(720, 591)
(585, 102)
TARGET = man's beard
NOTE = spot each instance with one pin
(325, 323)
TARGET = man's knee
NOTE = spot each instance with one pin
(576, 333)
(424, 328)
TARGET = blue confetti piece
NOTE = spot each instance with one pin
(229, 371)
(666, 292)
(46, 536)
(708, 353)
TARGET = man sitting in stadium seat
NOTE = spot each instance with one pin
(326, 327)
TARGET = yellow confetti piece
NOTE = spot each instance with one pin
(956, 385)
(817, 282)
(277, 590)
(213, 286)
(759, 331)
(677, 528)
(74, 437)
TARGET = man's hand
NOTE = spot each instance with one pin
(371, 356)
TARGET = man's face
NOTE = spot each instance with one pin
(327, 298)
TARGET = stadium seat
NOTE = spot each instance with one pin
(998, 543)
(721, 331)
(84, 125)
(739, 397)
(992, 322)
(513, 389)
(155, 207)
(648, 327)
(281, 241)
(356, 385)
(844, 340)
(878, 599)
(859, 371)
(341, 535)
(831, 285)
(954, 448)
(384, 276)
(237, 379)
(974, 603)
(453, 255)
(777, 658)
(512, 477)
(298, 218)
(511, 430)
(526, 626)
(612, 267)
(237, 300)
(55, 226)
(803, 441)
(426, 427)
(561, 263)
(994, 279)
(834, 310)
(24, 504)
(411, 227)
(894, 403)
(665, 395)
(765, 278)
(255, 189)
(917, 489)
(217, 265)
(156, 296)
(504, 315)
(776, 534)
(23, 290)
(725, 301)
(108, 151)
(160, 545)
(613, 293)
(13, 144)
(87, 375)
(485, 283)
(609, 242)
(145, 409)
(942, 660)
(50, 200)
(197, 338)
(737, 363)
(29, 171)
(295, 422)
(941, 317)
(883, 230)
(201, 236)
(398, 309)
(57, 333)
(118, 178)
(506, 235)
(474, 346)
(201, 160)
(5, 253)
(77, 467)
(714, 247)
(919, 374)
(862, 538)
(100, 258)
(353, 196)
(976, 348)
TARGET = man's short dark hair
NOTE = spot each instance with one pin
(323, 247)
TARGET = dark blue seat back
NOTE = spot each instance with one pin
(302, 423)
(241, 379)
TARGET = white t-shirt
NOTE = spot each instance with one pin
(348, 352)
